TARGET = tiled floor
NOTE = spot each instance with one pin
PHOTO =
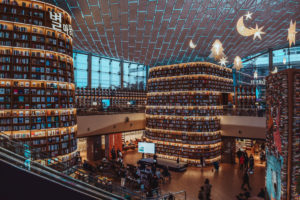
(226, 183)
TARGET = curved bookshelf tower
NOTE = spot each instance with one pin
(183, 109)
(36, 77)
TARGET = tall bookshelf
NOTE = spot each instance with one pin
(184, 102)
(283, 133)
(37, 90)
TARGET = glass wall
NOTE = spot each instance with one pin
(106, 73)
(81, 69)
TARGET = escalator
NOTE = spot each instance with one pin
(23, 178)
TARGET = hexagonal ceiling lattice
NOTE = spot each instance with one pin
(153, 32)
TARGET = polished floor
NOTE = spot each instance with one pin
(226, 183)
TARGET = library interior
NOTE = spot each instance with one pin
(150, 99)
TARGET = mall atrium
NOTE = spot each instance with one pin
(150, 99)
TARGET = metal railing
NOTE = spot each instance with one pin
(250, 111)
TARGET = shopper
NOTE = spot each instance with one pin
(246, 161)
(242, 161)
(239, 154)
(207, 189)
(113, 153)
(201, 194)
(120, 155)
(251, 163)
(246, 180)
(216, 165)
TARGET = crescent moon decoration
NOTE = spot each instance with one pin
(237, 64)
(192, 45)
(244, 31)
(292, 33)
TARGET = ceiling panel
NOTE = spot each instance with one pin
(158, 31)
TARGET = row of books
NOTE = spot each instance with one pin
(190, 68)
(184, 99)
(185, 112)
(187, 85)
(184, 125)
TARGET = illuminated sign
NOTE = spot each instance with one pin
(258, 82)
(56, 23)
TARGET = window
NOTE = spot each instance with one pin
(115, 74)
(81, 69)
(96, 72)
(105, 73)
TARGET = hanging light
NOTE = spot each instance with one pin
(237, 64)
(275, 70)
(255, 74)
(284, 61)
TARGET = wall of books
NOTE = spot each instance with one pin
(92, 97)
(246, 96)
(36, 77)
(283, 133)
(184, 102)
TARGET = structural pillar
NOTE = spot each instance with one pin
(122, 74)
(89, 62)
(270, 60)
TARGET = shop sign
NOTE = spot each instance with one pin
(56, 22)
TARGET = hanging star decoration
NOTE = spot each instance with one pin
(223, 61)
(244, 31)
(248, 15)
(292, 33)
(237, 64)
(217, 50)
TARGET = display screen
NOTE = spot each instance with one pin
(105, 103)
(145, 147)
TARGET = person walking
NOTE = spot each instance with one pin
(113, 153)
(207, 189)
(242, 161)
(201, 194)
(246, 161)
(239, 154)
(251, 163)
(246, 180)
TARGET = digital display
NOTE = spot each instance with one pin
(105, 103)
(144, 147)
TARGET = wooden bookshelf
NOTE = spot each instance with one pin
(37, 91)
(184, 102)
(283, 133)
(246, 96)
(92, 97)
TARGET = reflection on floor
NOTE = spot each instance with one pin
(226, 183)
